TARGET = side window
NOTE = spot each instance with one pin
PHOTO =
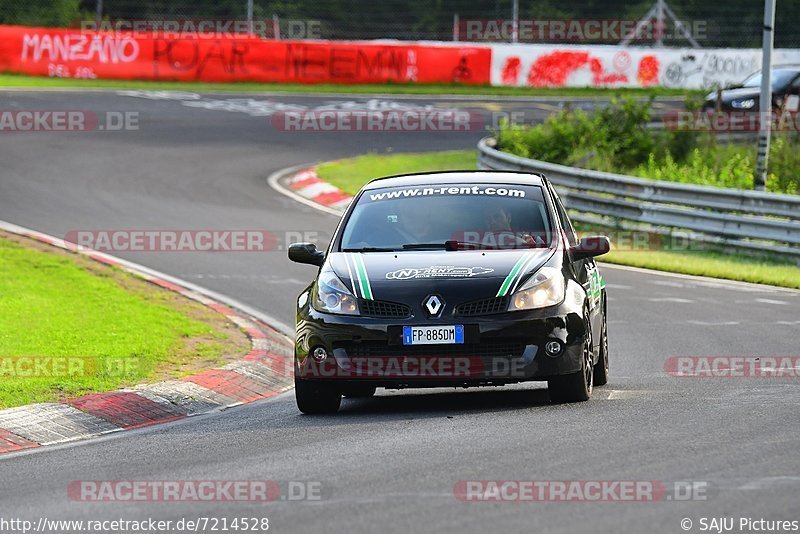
(572, 238)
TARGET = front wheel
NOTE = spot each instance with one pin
(314, 397)
(576, 387)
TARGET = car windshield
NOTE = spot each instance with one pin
(780, 78)
(448, 217)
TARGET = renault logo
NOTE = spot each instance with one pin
(434, 305)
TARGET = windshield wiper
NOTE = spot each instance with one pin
(447, 245)
(470, 245)
(369, 249)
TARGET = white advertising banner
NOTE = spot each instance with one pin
(534, 65)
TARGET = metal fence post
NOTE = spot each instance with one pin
(765, 101)
(276, 27)
(98, 15)
(515, 22)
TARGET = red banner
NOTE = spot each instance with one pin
(77, 54)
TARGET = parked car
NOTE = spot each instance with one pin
(745, 96)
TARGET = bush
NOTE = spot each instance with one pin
(616, 138)
(615, 135)
(52, 13)
(735, 171)
(784, 163)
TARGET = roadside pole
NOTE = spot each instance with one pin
(765, 100)
(515, 21)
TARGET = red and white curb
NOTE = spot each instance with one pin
(265, 371)
(308, 185)
(303, 185)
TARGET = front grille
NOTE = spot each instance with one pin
(383, 309)
(482, 307)
(491, 349)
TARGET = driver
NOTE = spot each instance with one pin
(499, 227)
(498, 219)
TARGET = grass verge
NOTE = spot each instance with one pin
(23, 81)
(350, 174)
(712, 264)
(71, 326)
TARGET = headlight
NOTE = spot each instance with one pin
(332, 296)
(545, 288)
(744, 104)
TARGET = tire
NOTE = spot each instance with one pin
(601, 368)
(316, 397)
(359, 391)
(575, 387)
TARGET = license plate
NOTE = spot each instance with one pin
(433, 335)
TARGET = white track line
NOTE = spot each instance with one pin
(533, 99)
(696, 278)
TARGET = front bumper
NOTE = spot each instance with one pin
(498, 349)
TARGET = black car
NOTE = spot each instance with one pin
(745, 96)
(451, 279)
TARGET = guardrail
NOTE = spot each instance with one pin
(744, 220)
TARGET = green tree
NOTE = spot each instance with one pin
(55, 13)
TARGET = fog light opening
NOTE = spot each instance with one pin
(553, 348)
(319, 354)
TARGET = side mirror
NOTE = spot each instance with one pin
(590, 247)
(306, 253)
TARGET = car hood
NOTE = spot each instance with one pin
(736, 94)
(458, 276)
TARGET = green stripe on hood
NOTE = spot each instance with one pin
(363, 278)
(512, 275)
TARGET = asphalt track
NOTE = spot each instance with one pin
(390, 463)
